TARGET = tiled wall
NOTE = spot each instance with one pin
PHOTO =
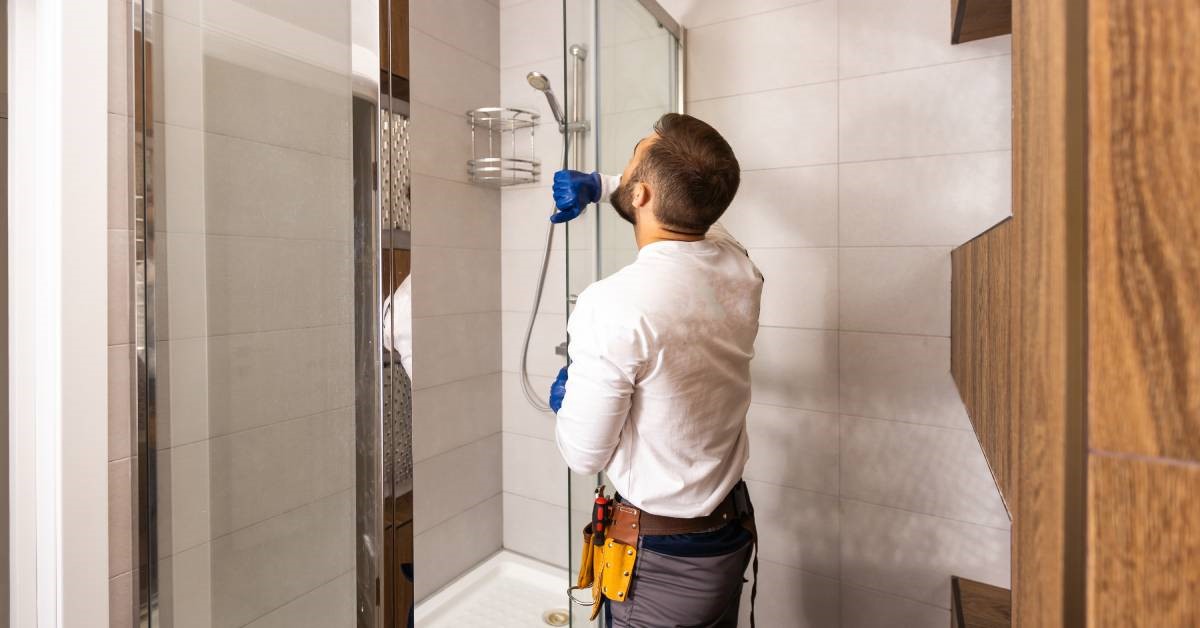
(121, 453)
(455, 53)
(255, 294)
(534, 478)
(870, 147)
(251, 183)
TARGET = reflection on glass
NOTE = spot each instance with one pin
(250, 239)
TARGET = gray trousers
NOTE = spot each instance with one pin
(683, 591)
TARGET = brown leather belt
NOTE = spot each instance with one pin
(628, 521)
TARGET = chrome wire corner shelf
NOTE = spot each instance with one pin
(502, 146)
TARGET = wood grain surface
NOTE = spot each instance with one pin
(1144, 543)
(981, 346)
(1144, 223)
(980, 605)
(1044, 177)
(979, 19)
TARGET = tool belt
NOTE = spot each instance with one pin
(610, 541)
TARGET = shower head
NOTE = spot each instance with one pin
(538, 81)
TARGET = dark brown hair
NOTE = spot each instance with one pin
(693, 171)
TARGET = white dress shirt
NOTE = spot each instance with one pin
(398, 337)
(659, 382)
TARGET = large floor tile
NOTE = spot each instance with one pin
(530, 31)
(885, 35)
(800, 287)
(472, 25)
(794, 448)
(446, 77)
(455, 414)
(924, 201)
(454, 281)
(453, 482)
(913, 555)
(797, 368)
(785, 207)
(906, 378)
(263, 567)
(903, 290)
(743, 56)
(919, 468)
(453, 347)
(954, 108)
(549, 331)
(520, 417)
(777, 129)
(452, 214)
(863, 608)
(536, 529)
(448, 550)
(533, 468)
(520, 272)
(797, 528)
(790, 597)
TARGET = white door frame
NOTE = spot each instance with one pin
(58, 305)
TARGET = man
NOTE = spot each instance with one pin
(659, 382)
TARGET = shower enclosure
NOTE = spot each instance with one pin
(273, 469)
(621, 70)
(635, 72)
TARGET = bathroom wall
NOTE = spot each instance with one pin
(455, 53)
(870, 147)
(254, 326)
(534, 478)
(251, 187)
(122, 584)
(4, 309)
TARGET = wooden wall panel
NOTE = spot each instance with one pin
(1048, 185)
(981, 345)
(1144, 284)
(979, 19)
(1144, 313)
(1145, 543)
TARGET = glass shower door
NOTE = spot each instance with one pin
(245, 291)
(632, 78)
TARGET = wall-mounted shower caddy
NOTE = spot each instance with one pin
(502, 146)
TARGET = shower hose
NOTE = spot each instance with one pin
(532, 395)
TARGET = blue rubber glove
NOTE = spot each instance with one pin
(573, 190)
(558, 390)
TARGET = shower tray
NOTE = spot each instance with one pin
(507, 590)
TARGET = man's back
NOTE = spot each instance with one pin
(660, 375)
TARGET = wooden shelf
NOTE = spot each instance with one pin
(978, 605)
(979, 19)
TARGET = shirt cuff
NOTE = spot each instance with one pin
(608, 185)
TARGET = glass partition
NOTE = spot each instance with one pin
(630, 78)
(246, 301)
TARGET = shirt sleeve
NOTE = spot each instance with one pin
(608, 185)
(607, 354)
(398, 336)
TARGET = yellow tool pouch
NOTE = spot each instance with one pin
(607, 569)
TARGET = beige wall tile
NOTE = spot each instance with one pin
(784, 48)
(451, 548)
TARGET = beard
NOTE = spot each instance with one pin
(622, 200)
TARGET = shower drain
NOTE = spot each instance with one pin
(556, 617)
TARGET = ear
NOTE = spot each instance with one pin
(641, 194)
